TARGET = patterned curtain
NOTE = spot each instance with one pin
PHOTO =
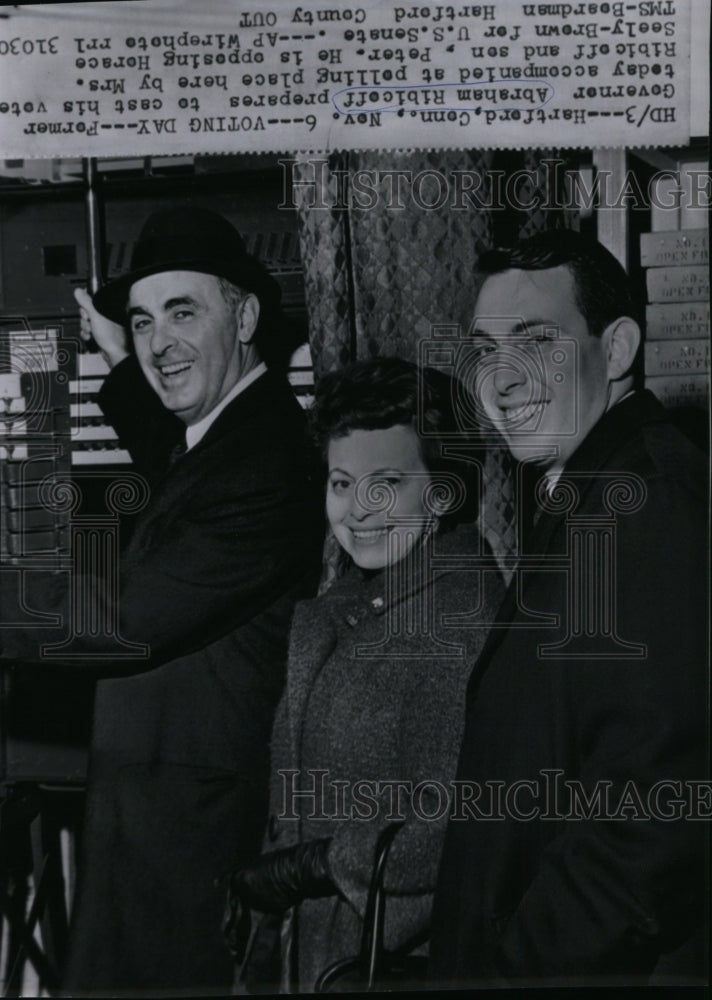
(546, 191)
(389, 244)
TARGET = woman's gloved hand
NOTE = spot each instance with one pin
(272, 884)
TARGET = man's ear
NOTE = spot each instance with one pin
(622, 338)
(247, 317)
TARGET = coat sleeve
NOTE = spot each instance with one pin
(614, 891)
(230, 554)
(146, 429)
(430, 730)
(221, 564)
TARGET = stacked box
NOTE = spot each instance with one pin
(34, 451)
(677, 316)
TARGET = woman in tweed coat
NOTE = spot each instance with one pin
(369, 726)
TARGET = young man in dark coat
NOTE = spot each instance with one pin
(228, 540)
(575, 851)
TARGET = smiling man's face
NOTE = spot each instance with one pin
(186, 340)
(542, 378)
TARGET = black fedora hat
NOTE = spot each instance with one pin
(189, 238)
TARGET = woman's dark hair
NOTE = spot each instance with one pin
(384, 392)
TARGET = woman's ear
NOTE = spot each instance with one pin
(622, 342)
(437, 507)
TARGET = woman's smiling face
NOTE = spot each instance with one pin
(375, 495)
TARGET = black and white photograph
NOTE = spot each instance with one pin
(354, 498)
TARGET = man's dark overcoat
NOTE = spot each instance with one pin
(525, 897)
(179, 759)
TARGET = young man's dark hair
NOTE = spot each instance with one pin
(602, 287)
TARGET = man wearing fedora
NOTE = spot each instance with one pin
(230, 538)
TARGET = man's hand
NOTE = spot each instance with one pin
(110, 338)
(272, 884)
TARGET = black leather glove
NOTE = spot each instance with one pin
(272, 884)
